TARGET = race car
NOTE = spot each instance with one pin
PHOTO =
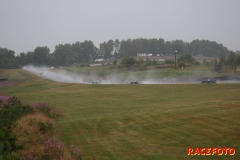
(209, 81)
(96, 82)
(136, 82)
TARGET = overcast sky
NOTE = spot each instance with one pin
(26, 24)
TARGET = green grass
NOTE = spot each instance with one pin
(139, 121)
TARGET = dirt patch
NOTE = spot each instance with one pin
(7, 83)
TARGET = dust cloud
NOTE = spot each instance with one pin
(67, 76)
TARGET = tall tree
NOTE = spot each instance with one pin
(61, 54)
(29, 58)
(7, 59)
(40, 56)
(223, 61)
(88, 51)
(178, 45)
(232, 60)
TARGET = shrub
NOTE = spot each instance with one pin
(169, 61)
(3, 99)
(76, 152)
(129, 60)
(10, 112)
(196, 63)
(22, 135)
(43, 106)
(5, 148)
(53, 149)
(140, 62)
(205, 62)
(181, 64)
(29, 156)
(47, 110)
(188, 59)
(115, 61)
(46, 127)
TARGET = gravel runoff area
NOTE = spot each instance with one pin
(7, 83)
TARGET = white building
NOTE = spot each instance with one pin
(144, 54)
(141, 54)
(99, 60)
(149, 54)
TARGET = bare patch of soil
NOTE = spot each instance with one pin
(7, 83)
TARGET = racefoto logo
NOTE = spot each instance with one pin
(210, 151)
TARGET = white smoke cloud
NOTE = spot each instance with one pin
(149, 77)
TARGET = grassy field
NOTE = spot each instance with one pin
(138, 121)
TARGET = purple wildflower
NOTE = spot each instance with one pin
(39, 104)
(4, 99)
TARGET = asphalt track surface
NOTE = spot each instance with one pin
(59, 75)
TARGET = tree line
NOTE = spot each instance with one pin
(87, 52)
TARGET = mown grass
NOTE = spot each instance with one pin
(139, 121)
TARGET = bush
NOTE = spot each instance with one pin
(140, 62)
(53, 149)
(181, 64)
(205, 62)
(31, 130)
(10, 112)
(3, 99)
(129, 60)
(5, 149)
(115, 61)
(188, 59)
(169, 61)
(196, 63)
(76, 152)
(46, 127)
(47, 110)
(143, 67)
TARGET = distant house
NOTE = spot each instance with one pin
(161, 60)
(149, 54)
(99, 60)
(144, 54)
(93, 65)
(141, 54)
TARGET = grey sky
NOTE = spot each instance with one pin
(26, 24)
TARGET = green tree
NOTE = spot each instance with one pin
(169, 61)
(40, 56)
(129, 60)
(29, 58)
(6, 53)
(205, 62)
(7, 59)
(22, 58)
(88, 51)
(178, 45)
(187, 58)
(60, 55)
(223, 61)
(233, 60)
(106, 49)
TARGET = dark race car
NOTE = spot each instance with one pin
(3, 79)
(96, 82)
(209, 81)
(136, 82)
